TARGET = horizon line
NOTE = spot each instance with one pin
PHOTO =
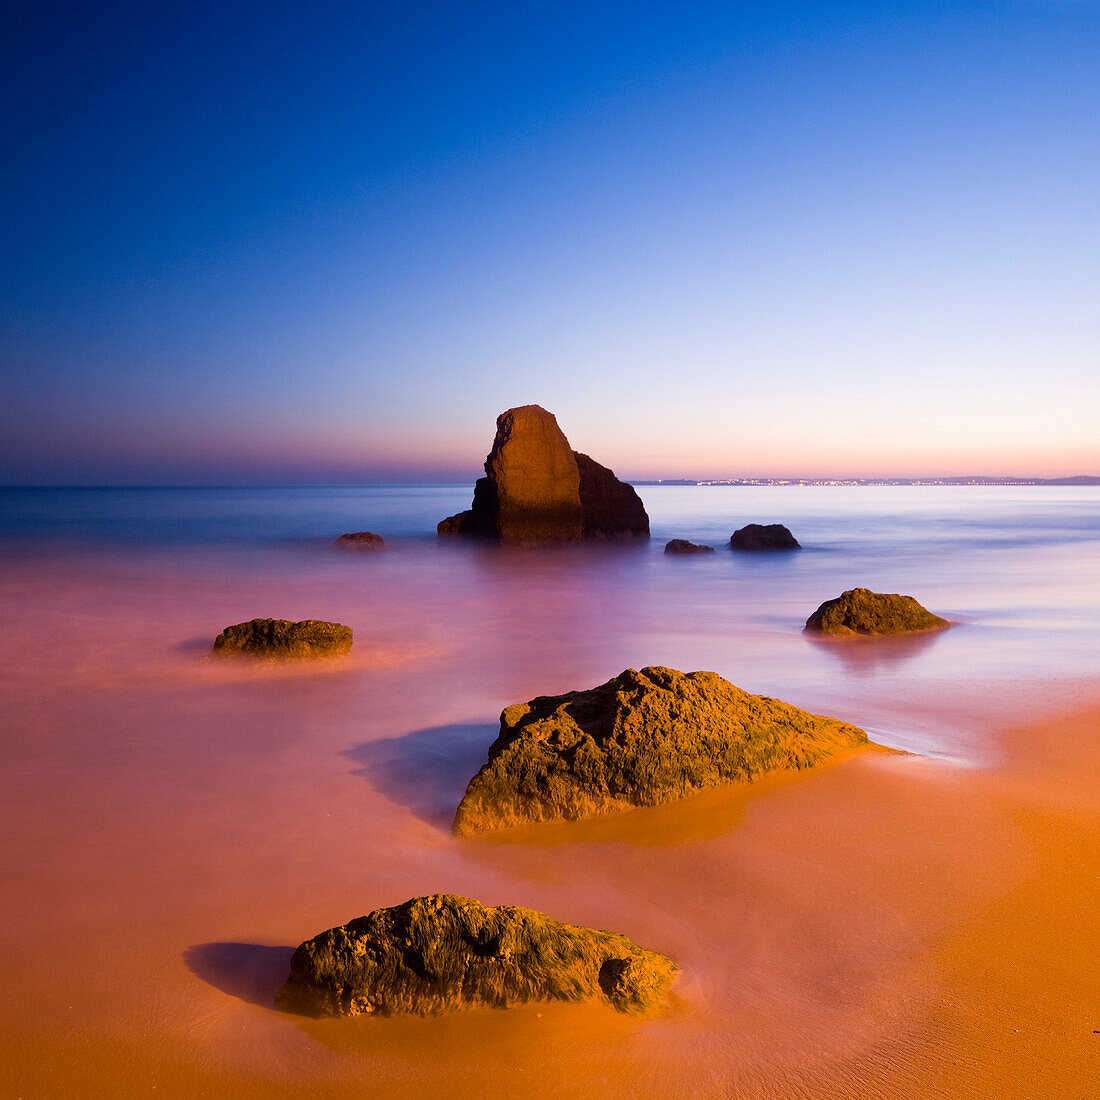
(822, 480)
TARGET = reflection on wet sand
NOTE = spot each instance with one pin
(865, 656)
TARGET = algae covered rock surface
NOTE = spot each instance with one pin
(444, 952)
(641, 739)
(283, 639)
(861, 611)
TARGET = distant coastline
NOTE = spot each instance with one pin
(1081, 479)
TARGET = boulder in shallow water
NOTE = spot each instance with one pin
(284, 639)
(682, 546)
(861, 611)
(445, 952)
(361, 540)
(760, 536)
(641, 739)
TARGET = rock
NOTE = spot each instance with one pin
(456, 525)
(361, 540)
(537, 490)
(756, 536)
(531, 492)
(282, 638)
(861, 611)
(611, 509)
(444, 952)
(640, 739)
(682, 546)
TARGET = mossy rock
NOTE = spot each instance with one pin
(861, 611)
(444, 952)
(641, 739)
(281, 638)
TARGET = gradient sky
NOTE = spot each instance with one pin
(330, 242)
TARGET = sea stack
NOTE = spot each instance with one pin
(537, 490)
(444, 952)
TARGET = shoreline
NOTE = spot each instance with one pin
(887, 925)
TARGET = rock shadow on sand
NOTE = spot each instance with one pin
(426, 770)
(251, 972)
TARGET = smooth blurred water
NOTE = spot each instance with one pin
(164, 811)
(1018, 568)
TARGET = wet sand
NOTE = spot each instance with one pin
(887, 926)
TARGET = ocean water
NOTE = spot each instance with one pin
(1018, 569)
(177, 823)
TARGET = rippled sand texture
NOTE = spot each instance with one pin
(888, 926)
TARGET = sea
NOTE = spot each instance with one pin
(176, 823)
(1017, 569)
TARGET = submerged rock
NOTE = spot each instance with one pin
(445, 952)
(537, 490)
(757, 536)
(861, 611)
(282, 638)
(640, 739)
(610, 508)
(682, 546)
(361, 540)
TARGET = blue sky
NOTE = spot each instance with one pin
(280, 242)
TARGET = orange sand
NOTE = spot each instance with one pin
(891, 926)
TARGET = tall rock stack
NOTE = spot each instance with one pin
(538, 490)
(611, 508)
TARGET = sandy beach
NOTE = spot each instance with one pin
(434, 435)
(890, 925)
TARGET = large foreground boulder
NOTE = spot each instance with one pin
(861, 611)
(444, 952)
(640, 739)
(284, 639)
(361, 540)
(537, 490)
(764, 536)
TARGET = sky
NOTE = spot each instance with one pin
(281, 243)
